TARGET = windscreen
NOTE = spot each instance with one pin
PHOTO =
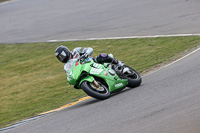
(69, 65)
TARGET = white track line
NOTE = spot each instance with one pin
(127, 37)
(183, 57)
(196, 50)
(66, 106)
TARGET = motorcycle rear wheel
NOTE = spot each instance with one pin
(101, 92)
(134, 78)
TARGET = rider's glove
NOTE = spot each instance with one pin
(85, 55)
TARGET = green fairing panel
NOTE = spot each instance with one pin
(113, 81)
(98, 70)
(88, 78)
(116, 84)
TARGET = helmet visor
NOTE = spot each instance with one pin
(62, 56)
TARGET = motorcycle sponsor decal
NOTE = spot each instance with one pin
(88, 59)
(97, 65)
(111, 72)
(106, 74)
(118, 85)
(95, 71)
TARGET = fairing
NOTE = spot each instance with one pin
(78, 72)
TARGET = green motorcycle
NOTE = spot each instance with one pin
(100, 80)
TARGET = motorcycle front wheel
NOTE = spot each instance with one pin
(99, 91)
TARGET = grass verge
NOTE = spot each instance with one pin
(3, 0)
(32, 80)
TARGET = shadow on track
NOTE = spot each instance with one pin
(92, 101)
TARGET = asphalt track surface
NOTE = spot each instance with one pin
(166, 102)
(168, 99)
(43, 20)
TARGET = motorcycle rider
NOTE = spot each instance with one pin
(63, 54)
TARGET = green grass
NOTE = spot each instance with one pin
(32, 80)
(3, 0)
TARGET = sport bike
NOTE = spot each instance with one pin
(100, 80)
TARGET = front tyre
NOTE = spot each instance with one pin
(134, 79)
(100, 92)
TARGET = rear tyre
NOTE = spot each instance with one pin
(134, 79)
(101, 92)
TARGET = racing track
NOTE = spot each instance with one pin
(166, 102)
(43, 20)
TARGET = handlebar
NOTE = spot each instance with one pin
(84, 56)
